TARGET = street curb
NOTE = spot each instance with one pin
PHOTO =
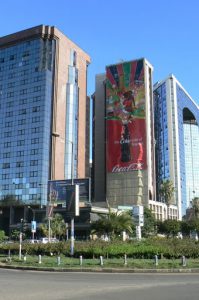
(100, 270)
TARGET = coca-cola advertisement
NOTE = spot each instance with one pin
(125, 117)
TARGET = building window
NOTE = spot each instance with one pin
(23, 92)
(19, 175)
(10, 104)
(33, 174)
(10, 94)
(36, 98)
(8, 124)
(22, 111)
(21, 143)
(34, 151)
(23, 81)
(35, 141)
(11, 84)
(8, 134)
(19, 164)
(36, 109)
(35, 119)
(7, 144)
(5, 176)
(6, 155)
(21, 131)
(33, 185)
(9, 114)
(6, 166)
(20, 153)
(12, 57)
(22, 101)
(34, 163)
(35, 130)
(22, 122)
(5, 186)
(37, 89)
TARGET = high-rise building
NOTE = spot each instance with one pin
(177, 141)
(43, 80)
(123, 135)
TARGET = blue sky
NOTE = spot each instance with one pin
(164, 32)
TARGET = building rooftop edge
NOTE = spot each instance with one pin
(126, 61)
(38, 30)
(172, 76)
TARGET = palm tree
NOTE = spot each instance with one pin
(113, 224)
(57, 226)
(167, 191)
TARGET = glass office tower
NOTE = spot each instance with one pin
(177, 141)
(42, 89)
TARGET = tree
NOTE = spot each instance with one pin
(167, 191)
(15, 234)
(149, 227)
(169, 227)
(194, 225)
(113, 224)
(2, 235)
(195, 205)
(57, 226)
(185, 227)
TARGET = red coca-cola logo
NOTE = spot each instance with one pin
(131, 167)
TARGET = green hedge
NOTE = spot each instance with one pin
(168, 248)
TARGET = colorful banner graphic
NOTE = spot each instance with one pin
(125, 117)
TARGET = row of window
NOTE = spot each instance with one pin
(23, 122)
(21, 132)
(24, 91)
(21, 175)
(14, 56)
(21, 153)
(20, 164)
(25, 81)
(21, 185)
(21, 142)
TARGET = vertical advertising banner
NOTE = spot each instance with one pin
(72, 199)
(125, 117)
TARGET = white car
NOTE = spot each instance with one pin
(31, 241)
(45, 240)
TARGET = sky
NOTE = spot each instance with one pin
(166, 33)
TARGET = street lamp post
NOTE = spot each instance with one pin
(55, 134)
(72, 237)
(33, 217)
(20, 238)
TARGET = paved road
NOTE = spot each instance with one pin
(27, 285)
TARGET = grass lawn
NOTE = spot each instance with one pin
(67, 262)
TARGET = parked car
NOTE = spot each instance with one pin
(45, 240)
(31, 241)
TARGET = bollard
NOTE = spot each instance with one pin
(80, 260)
(125, 259)
(24, 258)
(184, 263)
(9, 256)
(39, 259)
(58, 260)
(156, 260)
(101, 261)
